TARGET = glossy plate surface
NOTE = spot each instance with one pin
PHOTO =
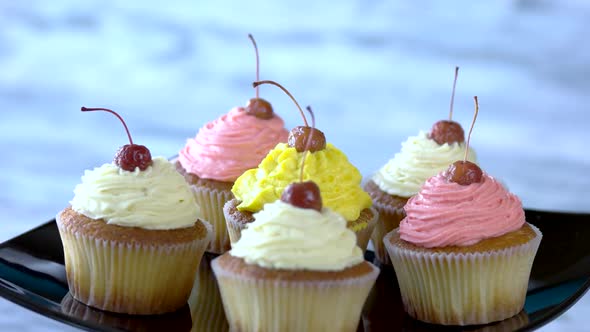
(32, 275)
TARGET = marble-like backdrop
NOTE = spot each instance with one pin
(375, 72)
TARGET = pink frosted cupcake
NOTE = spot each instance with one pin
(222, 151)
(464, 252)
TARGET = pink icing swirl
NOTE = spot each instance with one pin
(448, 214)
(230, 145)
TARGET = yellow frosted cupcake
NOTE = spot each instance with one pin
(295, 268)
(132, 236)
(463, 253)
(326, 165)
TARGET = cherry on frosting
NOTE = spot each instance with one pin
(463, 171)
(305, 195)
(448, 131)
(129, 156)
(258, 107)
(299, 135)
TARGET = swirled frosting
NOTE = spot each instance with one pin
(156, 198)
(338, 179)
(445, 213)
(287, 237)
(233, 143)
(419, 159)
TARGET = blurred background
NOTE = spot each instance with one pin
(375, 72)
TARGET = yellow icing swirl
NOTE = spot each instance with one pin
(419, 159)
(156, 198)
(287, 237)
(338, 179)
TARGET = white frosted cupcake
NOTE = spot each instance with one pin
(295, 268)
(463, 254)
(133, 239)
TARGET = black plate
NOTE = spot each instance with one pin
(32, 275)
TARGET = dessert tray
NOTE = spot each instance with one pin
(32, 275)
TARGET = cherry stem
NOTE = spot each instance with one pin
(257, 62)
(93, 109)
(308, 143)
(257, 83)
(453, 93)
(471, 129)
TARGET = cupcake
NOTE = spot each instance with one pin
(421, 157)
(295, 268)
(132, 236)
(463, 253)
(338, 179)
(224, 149)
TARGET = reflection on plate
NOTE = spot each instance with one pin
(32, 275)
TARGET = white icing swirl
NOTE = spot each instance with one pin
(419, 159)
(287, 237)
(156, 198)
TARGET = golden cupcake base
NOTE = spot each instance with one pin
(469, 285)
(211, 196)
(259, 299)
(391, 212)
(127, 269)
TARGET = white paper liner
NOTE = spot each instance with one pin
(234, 227)
(281, 305)
(132, 279)
(463, 289)
(205, 301)
(389, 219)
(364, 235)
(211, 202)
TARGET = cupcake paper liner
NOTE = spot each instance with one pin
(234, 227)
(389, 219)
(463, 289)
(281, 305)
(205, 301)
(212, 202)
(134, 279)
(364, 235)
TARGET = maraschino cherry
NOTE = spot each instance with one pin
(448, 131)
(258, 107)
(463, 171)
(129, 156)
(305, 195)
(298, 135)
